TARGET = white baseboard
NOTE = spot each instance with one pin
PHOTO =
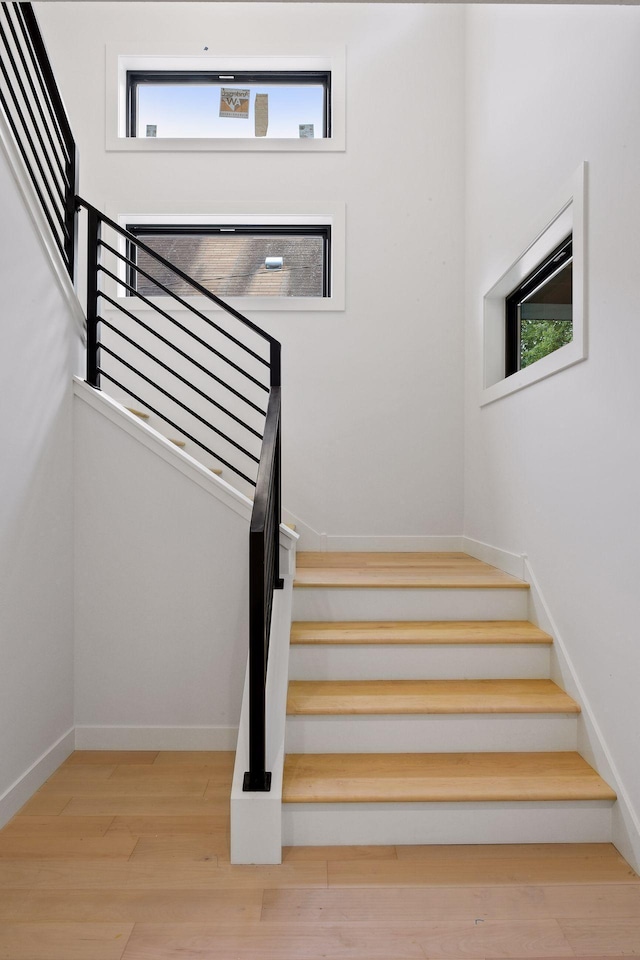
(32, 779)
(310, 539)
(155, 738)
(512, 563)
(400, 544)
(591, 743)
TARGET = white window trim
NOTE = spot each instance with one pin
(565, 215)
(264, 212)
(123, 57)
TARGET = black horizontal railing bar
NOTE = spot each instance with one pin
(24, 124)
(163, 313)
(179, 403)
(38, 126)
(182, 353)
(178, 376)
(33, 37)
(171, 423)
(267, 461)
(180, 273)
(60, 151)
(25, 130)
(183, 303)
(34, 182)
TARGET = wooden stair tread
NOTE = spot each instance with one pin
(417, 632)
(400, 570)
(313, 697)
(216, 470)
(178, 443)
(138, 413)
(440, 777)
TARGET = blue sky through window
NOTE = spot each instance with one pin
(192, 110)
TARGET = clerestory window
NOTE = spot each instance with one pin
(230, 104)
(235, 260)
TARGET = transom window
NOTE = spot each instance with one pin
(539, 312)
(199, 104)
(235, 260)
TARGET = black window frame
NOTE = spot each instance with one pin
(313, 77)
(553, 263)
(322, 230)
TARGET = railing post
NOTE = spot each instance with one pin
(93, 238)
(257, 778)
(278, 582)
(276, 378)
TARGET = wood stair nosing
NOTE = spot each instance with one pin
(418, 632)
(141, 414)
(400, 571)
(440, 777)
(383, 778)
(396, 697)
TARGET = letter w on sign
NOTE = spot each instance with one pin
(234, 103)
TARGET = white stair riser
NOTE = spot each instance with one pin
(411, 661)
(451, 733)
(319, 603)
(417, 823)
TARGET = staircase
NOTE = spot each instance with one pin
(420, 710)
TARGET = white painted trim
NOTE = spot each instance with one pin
(398, 544)
(143, 55)
(563, 215)
(155, 738)
(32, 779)
(512, 563)
(291, 213)
(310, 539)
(591, 742)
(43, 230)
(256, 818)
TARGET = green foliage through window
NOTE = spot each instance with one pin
(538, 338)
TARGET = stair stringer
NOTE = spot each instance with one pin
(164, 448)
(161, 609)
(625, 819)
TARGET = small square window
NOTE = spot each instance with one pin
(234, 260)
(539, 312)
(198, 104)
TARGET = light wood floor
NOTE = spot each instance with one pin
(124, 856)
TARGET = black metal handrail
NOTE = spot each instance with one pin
(264, 577)
(34, 110)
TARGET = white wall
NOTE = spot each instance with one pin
(39, 343)
(552, 471)
(161, 608)
(373, 395)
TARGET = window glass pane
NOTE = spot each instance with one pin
(546, 317)
(193, 110)
(235, 264)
